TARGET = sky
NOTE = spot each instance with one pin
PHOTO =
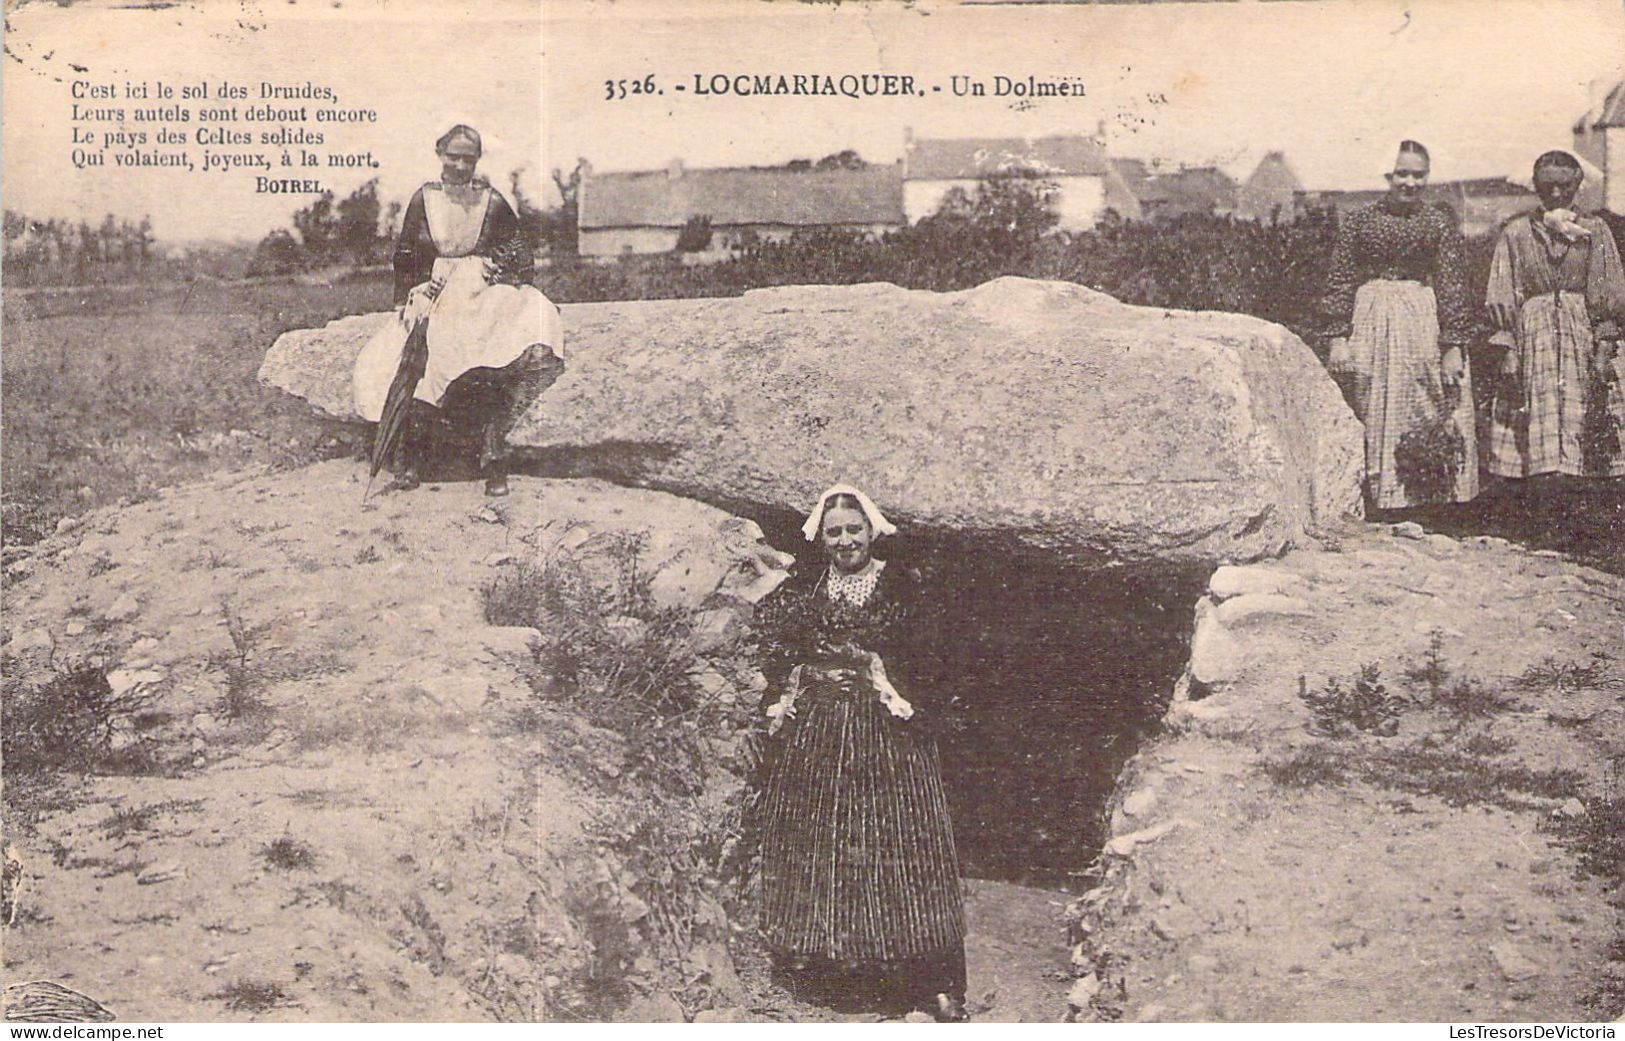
(423, 65)
(1486, 84)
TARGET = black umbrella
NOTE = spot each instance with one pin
(398, 403)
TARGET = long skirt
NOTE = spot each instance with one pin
(1398, 386)
(479, 406)
(1538, 426)
(858, 860)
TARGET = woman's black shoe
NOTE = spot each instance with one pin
(407, 480)
(496, 487)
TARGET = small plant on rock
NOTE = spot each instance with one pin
(1365, 706)
(243, 675)
(289, 854)
(1431, 671)
(1470, 699)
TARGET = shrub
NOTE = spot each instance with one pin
(1429, 458)
(64, 724)
(603, 634)
(1364, 706)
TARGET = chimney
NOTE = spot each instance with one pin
(674, 169)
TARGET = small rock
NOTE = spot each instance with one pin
(1250, 606)
(1573, 809)
(913, 1017)
(1083, 991)
(1216, 656)
(123, 681)
(121, 739)
(20, 568)
(715, 628)
(1513, 963)
(1176, 923)
(1489, 542)
(497, 559)
(1443, 544)
(36, 639)
(1230, 580)
(205, 723)
(517, 641)
(488, 515)
(1141, 802)
(655, 1008)
(124, 608)
(1123, 845)
(626, 629)
(199, 762)
(711, 683)
(164, 871)
(1547, 554)
(722, 1015)
(145, 645)
(774, 559)
(75, 629)
(66, 524)
(200, 744)
(761, 586)
(1407, 530)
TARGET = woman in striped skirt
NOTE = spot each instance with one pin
(1397, 320)
(860, 881)
(1557, 297)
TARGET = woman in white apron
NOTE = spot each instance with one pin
(481, 339)
(1397, 321)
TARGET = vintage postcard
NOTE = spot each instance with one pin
(730, 511)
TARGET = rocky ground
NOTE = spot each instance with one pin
(1458, 859)
(329, 790)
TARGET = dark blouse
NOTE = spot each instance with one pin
(1424, 245)
(416, 252)
(798, 624)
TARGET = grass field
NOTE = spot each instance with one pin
(110, 394)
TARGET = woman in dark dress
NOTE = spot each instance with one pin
(1397, 320)
(860, 879)
(481, 340)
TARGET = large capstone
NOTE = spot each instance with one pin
(1041, 412)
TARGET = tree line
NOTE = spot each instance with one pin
(56, 250)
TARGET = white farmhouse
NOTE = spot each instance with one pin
(1599, 138)
(1087, 183)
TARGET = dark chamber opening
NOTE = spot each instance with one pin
(1058, 672)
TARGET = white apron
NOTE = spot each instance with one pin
(471, 324)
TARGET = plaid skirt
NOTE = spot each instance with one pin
(858, 859)
(1398, 388)
(1538, 425)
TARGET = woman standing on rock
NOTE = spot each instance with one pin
(475, 337)
(1398, 323)
(1557, 297)
(860, 879)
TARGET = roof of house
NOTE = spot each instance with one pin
(973, 158)
(811, 198)
(1611, 113)
(1197, 188)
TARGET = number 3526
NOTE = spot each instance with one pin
(615, 90)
